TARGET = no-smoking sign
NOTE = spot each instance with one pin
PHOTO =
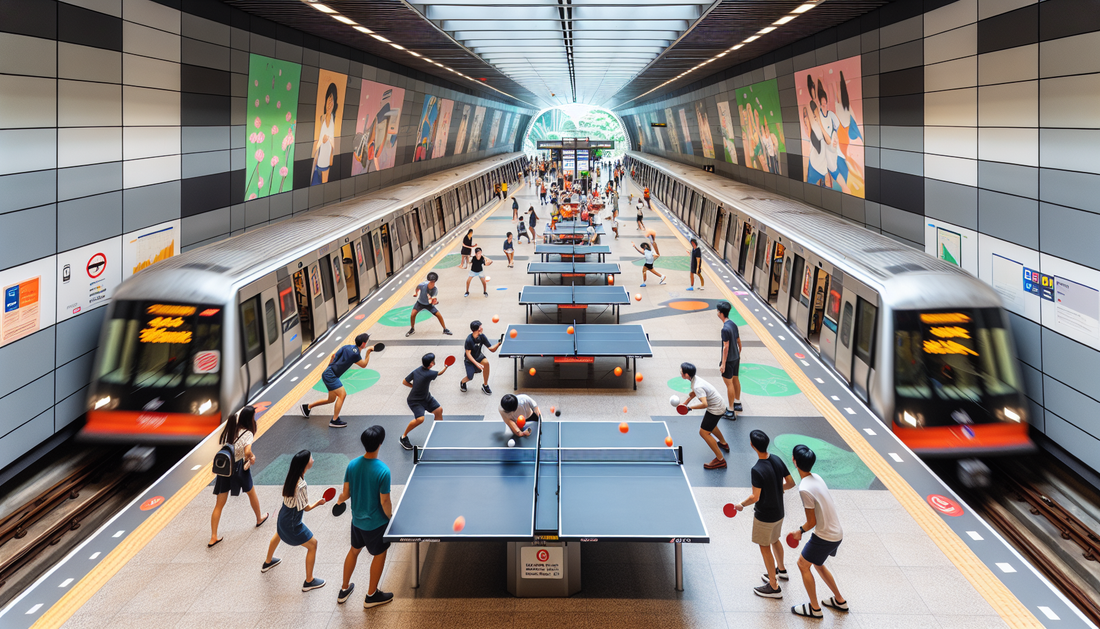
(96, 265)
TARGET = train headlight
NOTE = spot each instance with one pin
(204, 407)
(911, 419)
(1011, 415)
(101, 402)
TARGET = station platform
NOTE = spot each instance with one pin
(902, 563)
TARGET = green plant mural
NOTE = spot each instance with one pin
(272, 119)
(577, 121)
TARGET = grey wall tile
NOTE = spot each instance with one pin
(1080, 190)
(27, 190)
(1018, 180)
(24, 438)
(902, 138)
(20, 406)
(954, 15)
(902, 161)
(73, 376)
(1012, 64)
(27, 101)
(88, 219)
(203, 29)
(201, 164)
(901, 32)
(1070, 234)
(1070, 55)
(26, 360)
(150, 205)
(1072, 363)
(70, 409)
(25, 150)
(203, 54)
(31, 56)
(200, 139)
(1077, 442)
(1070, 404)
(84, 63)
(27, 235)
(949, 75)
(79, 335)
(83, 104)
(1010, 218)
(961, 42)
(1069, 149)
(1029, 341)
(901, 223)
(1070, 102)
(1033, 382)
(951, 202)
(205, 226)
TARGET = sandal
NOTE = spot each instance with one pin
(261, 522)
(806, 611)
(831, 602)
(216, 542)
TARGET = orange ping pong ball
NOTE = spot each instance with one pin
(624, 428)
(531, 371)
(512, 334)
(569, 330)
(624, 409)
(496, 319)
(618, 371)
(610, 280)
(551, 409)
(668, 441)
(520, 421)
(637, 377)
(637, 296)
(460, 523)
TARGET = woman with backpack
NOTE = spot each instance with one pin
(291, 530)
(239, 432)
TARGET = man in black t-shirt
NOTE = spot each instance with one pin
(770, 478)
(730, 363)
(420, 399)
(696, 265)
(477, 269)
(474, 360)
(342, 360)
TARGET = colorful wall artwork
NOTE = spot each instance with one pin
(725, 120)
(761, 126)
(657, 132)
(686, 130)
(475, 130)
(704, 130)
(272, 118)
(429, 116)
(670, 129)
(830, 112)
(326, 124)
(442, 128)
(376, 127)
(494, 128)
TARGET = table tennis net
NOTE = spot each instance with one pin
(610, 455)
(477, 455)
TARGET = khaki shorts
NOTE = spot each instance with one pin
(766, 533)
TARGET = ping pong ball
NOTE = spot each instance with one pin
(624, 409)
(624, 428)
(487, 278)
(496, 319)
(618, 371)
(637, 377)
(674, 401)
(531, 371)
(460, 523)
(512, 334)
(610, 280)
(551, 409)
(511, 443)
(569, 330)
(521, 421)
(637, 296)
(668, 441)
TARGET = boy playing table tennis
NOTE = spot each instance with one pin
(342, 360)
(420, 399)
(367, 484)
(710, 400)
(512, 407)
(474, 360)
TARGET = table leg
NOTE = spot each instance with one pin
(416, 564)
(634, 371)
(679, 567)
(515, 372)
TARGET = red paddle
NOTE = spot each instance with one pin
(682, 409)
(450, 360)
(329, 494)
(729, 510)
(791, 541)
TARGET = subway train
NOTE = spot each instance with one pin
(192, 338)
(925, 344)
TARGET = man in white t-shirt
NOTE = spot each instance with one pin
(821, 516)
(710, 400)
(512, 407)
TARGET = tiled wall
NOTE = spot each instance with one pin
(981, 118)
(118, 115)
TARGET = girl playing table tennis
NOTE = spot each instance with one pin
(290, 528)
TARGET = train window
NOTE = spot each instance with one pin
(286, 299)
(272, 320)
(250, 326)
(846, 325)
(326, 281)
(832, 306)
(865, 330)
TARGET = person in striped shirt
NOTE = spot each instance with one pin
(290, 528)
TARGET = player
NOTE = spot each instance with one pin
(426, 300)
(342, 360)
(477, 269)
(474, 360)
(730, 365)
(710, 400)
(513, 406)
(650, 258)
(420, 399)
(509, 248)
(821, 516)
(696, 265)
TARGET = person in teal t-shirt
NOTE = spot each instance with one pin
(367, 484)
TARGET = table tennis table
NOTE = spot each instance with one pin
(573, 252)
(575, 232)
(573, 270)
(568, 482)
(572, 301)
(583, 347)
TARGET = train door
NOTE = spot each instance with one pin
(820, 288)
(718, 238)
(273, 347)
(339, 285)
(843, 362)
(783, 301)
(800, 295)
(760, 276)
(744, 248)
(863, 364)
(353, 268)
(707, 225)
(328, 292)
(384, 250)
(417, 239)
(253, 345)
(302, 289)
(733, 239)
(401, 240)
(831, 319)
(291, 322)
(776, 272)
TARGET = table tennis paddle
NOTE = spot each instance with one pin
(450, 360)
(339, 508)
(329, 494)
(730, 510)
(379, 347)
(682, 409)
(791, 541)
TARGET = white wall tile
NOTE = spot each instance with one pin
(989, 8)
(148, 107)
(33, 56)
(24, 150)
(149, 72)
(1070, 55)
(110, 7)
(951, 16)
(88, 145)
(951, 108)
(954, 169)
(1070, 101)
(961, 42)
(139, 142)
(142, 172)
(151, 14)
(81, 104)
(85, 63)
(27, 101)
(952, 141)
(1070, 149)
(1012, 64)
(950, 75)
(149, 42)
(1009, 105)
(1014, 146)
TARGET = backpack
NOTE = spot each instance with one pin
(223, 461)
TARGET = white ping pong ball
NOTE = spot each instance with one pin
(511, 443)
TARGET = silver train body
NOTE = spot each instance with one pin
(192, 338)
(925, 344)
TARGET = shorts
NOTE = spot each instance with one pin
(467, 251)
(733, 367)
(648, 267)
(420, 408)
(240, 480)
(818, 550)
(417, 307)
(509, 247)
(371, 540)
(328, 376)
(695, 268)
(710, 421)
(476, 273)
(766, 533)
(640, 218)
(471, 370)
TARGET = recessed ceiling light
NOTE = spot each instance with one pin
(363, 29)
(804, 8)
(414, 53)
(343, 19)
(783, 20)
(322, 8)
(766, 30)
(752, 39)
(379, 38)
(397, 46)
(738, 46)
(720, 55)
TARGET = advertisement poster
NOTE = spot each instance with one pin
(686, 130)
(376, 128)
(494, 128)
(272, 117)
(28, 293)
(949, 246)
(641, 134)
(463, 124)
(425, 131)
(830, 112)
(704, 130)
(726, 122)
(505, 127)
(88, 276)
(442, 128)
(475, 130)
(670, 129)
(657, 132)
(326, 125)
(515, 128)
(145, 247)
(761, 126)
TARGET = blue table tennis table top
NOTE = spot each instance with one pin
(572, 268)
(568, 481)
(586, 340)
(545, 250)
(599, 295)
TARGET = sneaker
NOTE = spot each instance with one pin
(305, 410)
(343, 596)
(662, 280)
(700, 288)
(411, 332)
(446, 331)
(378, 598)
(337, 423)
(737, 407)
(462, 386)
(467, 294)
(730, 415)
(767, 592)
(642, 285)
(268, 565)
(405, 443)
(779, 574)
(690, 288)
(724, 446)
(716, 464)
(486, 294)
(313, 585)
(486, 390)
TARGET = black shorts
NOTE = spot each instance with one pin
(471, 370)
(817, 550)
(421, 408)
(371, 540)
(733, 367)
(648, 267)
(710, 421)
(417, 307)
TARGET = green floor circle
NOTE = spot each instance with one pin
(679, 384)
(355, 380)
(399, 317)
(672, 263)
(766, 381)
(448, 261)
(841, 469)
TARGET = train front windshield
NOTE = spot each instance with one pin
(162, 357)
(955, 367)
